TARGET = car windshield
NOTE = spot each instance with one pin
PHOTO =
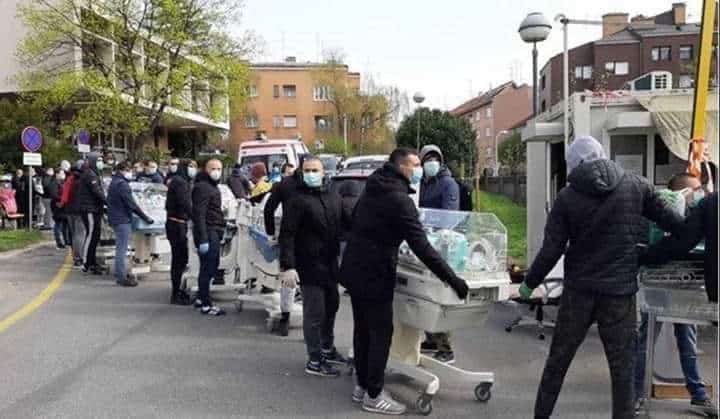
(365, 165)
(268, 159)
(329, 163)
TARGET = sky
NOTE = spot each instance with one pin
(449, 50)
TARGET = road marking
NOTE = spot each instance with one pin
(42, 298)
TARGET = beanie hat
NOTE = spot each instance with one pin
(431, 149)
(258, 170)
(583, 150)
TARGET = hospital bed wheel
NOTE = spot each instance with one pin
(508, 329)
(424, 404)
(541, 336)
(482, 392)
(270, 324)
(239, 306)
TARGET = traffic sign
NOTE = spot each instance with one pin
(83, 141)
(32, 159)
(31, 139)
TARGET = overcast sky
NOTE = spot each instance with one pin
(450, 50)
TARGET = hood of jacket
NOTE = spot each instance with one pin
(92, 159)
(204, 177)
(431, 148)
(388, 179)
(596, 178)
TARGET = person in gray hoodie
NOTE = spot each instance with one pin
(596, 221)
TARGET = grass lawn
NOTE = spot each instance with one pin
(17, 239)
(513, 216)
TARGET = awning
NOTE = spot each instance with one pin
(542, 131)
(672, 116)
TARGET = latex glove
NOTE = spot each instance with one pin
(289, 278)
(459, 286)
(203, 248)
(272, 241)
(524, 291)
(149, 220)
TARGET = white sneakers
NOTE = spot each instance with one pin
(383, 404)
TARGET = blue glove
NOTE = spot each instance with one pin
(203, 248)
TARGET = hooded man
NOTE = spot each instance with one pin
(281, 193)
(238, 183)
(90, 202)
(71, 207)
(179, 210)
(384, 217)
(173, 169)
(596, 222)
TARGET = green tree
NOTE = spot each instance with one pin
(140, 58)
(512, 152)
(455, 136)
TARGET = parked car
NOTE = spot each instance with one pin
(270, 152)
(331, 163)
(350, 184)
(369, 162)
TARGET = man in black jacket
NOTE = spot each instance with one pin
(385, 216)
(90, 198)
(179, 210)
(596, 222)
(309, 249)
(238, 183)
(281, 193)
(208, 227)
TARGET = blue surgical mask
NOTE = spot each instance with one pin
(697, 196)
(191, 171)
(431, 168)
(100, 165)
(275, 171)
(417, 175)
(312, 180)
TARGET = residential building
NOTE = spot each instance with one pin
(492, 112)
(628, 49)
(285, 101)
(185, 129)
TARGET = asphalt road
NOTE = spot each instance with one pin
(95, 350)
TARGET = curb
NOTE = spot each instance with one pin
(17, 252)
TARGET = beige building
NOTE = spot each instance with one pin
(286, 102)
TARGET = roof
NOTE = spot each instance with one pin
(284, 65)
(482, 100)
(635, 32)
(521, 122)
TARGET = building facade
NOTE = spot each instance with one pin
(493, 114)
(285, 102)
(629, 48)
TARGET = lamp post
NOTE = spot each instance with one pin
(418, 98)
(534, 28)
(497, 161)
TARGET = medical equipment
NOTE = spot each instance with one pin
(148, 240)
(475, 246)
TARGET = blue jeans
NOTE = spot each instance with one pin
(122, 237)
(209, 263)
(686, 337)
(61, 234)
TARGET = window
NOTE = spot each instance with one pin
(487, 132)
(289, 90)
(618, 68)
(251, 121)
(661, 54)
(252, 91)
(290, 121)
(685, 81)
(477, 115)
(323, 123)
(277, 121)
(686, 52)
(488, 152)
(276, 90)
(488, 112)
(583, 72)
(542, 82)
(321, 93)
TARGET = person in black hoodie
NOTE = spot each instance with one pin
(596, 222)
(53, 191)
(238, 183)
(281, 193)
(179, 210)
(208, 227)
(385, 216)
(91, 199)
(309, 249)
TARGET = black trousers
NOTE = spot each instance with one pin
(91, 221)
(372, 336)
(615, 317)
(177, 236)
(320, 306)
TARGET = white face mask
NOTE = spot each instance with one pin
(215, 174)
(61, 176)
(50, 172)
(128, 175)
(192, 172)
(173, 168)
(152, 170)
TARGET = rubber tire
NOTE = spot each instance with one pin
(239, 306)
(541, 336)
(508, 329)
(483, 393)
(424, 404)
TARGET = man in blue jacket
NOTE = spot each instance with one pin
(121, 206)
(438, 190)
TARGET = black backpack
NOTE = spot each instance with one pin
(466, 203)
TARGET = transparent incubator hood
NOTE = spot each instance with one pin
(472, 243)
(151, 197)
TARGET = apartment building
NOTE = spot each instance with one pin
(629, 48)
(493, 112)
(287, 102)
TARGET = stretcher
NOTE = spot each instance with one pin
(475, 246)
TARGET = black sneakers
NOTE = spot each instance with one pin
(321, 369)
(180, 298)
(428, 346)
(128, 282)
(212, 311)
(333, 357)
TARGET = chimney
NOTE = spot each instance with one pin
(679, 12)
(290, 59)
(614, 23)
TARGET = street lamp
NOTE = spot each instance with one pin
(497, 161)
(534, 28)
(418, 98)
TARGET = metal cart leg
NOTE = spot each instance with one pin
(649, 358)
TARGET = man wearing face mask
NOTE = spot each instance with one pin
(138, 171)
(173, 167)
(275, 173)
(438, 190)
(47, 179)
(384, 217)
(90, 202)
(70, 205)
(121, 207)
(309, 249)
(53, 192)
(179, 210)
(208, 226)
(150, 173)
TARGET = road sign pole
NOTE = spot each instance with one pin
(30, 205)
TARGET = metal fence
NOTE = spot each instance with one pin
(514, 187)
